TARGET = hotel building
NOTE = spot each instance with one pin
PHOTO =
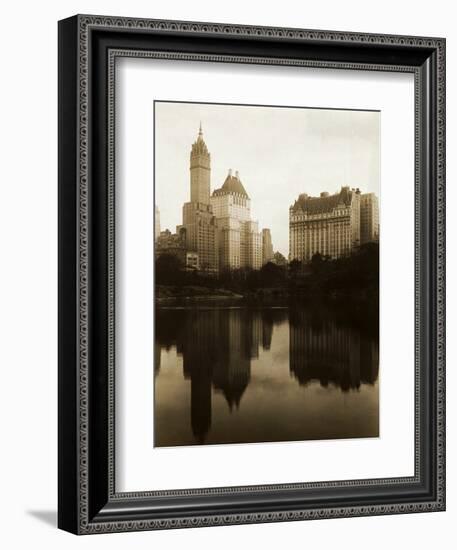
(329, 224)
(240, 242)
(217, 231)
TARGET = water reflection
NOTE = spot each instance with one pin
(218, 350)
(321, 349)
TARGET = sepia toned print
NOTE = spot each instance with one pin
(266, 274)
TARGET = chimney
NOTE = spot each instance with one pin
(230, 172)
(237, 174)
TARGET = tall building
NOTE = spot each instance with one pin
(174, 244)
(267, 246)
(279, 259)
(156, 223)
(329, 224)
(369, 218)
(239, 239)
(253, 244)
(198, 218)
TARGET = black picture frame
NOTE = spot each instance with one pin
(87, 501)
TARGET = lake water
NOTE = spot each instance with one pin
(246, 375)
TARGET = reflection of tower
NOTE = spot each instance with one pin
(199, 354)
(232, 371)
(267, 332)
(255, 335)
(322, 350)
(200, 403)
(217, 347)
(198, 218)
(157, 354)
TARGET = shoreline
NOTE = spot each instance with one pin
(366, 304)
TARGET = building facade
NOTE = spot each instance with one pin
(199, 221)
(369, 218)
(174, 244)
(217, 231)
(156, 223)
(329, 225)
(239, 239)
(267, 246)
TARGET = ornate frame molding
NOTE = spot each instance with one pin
(77, 516)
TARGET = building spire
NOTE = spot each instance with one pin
(200, 131)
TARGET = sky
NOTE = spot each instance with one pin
(279, 153)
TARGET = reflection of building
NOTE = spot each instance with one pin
(267, 246)
(369, 218)
(157, 357)
(232, 370)
(198, 218)
(156, 223)
(240, 243)
(198, 348)
(332, 354)
(267, 333)
(217, 347)
(329, 224)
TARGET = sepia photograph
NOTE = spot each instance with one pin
(266, 277)
(251, 273)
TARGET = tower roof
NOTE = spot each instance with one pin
(231, 185)
(324, 203)
(199, 146)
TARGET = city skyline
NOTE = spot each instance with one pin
(250, 347)
(294, 145)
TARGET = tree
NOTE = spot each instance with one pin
(271, 274)
(316, 262)
(168, 270)
(295, 267)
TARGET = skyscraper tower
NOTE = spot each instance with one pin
(267, 246)
(239, 239)
(199, 221)
(369, 218)
(200, 170)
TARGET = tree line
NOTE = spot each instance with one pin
(356, 273)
